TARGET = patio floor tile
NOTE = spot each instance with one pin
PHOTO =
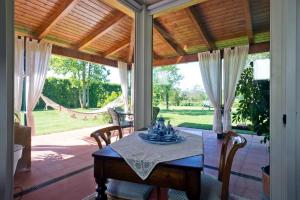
(56, 158)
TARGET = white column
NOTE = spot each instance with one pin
(143, 69)
(6, 98)
(285, 94)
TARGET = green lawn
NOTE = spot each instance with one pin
(53, 121)
(191, 117)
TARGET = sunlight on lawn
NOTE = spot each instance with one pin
(192, 117)
(53, 121)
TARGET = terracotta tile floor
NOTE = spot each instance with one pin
(56, 156)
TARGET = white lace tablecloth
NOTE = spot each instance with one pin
(142, 157)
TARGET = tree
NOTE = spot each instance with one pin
(254, 103)
(165, 79)
(82, 74)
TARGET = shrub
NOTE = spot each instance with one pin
(61, 91)
(254, 104)
(64, 93)
(113, 96)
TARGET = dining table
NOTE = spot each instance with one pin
(181, 174)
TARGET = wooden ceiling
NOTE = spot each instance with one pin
(103, 31)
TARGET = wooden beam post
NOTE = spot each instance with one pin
(168, 38)
(193, 15)
(6, 97)
(101, 31)
(248, 21)
(62, 11)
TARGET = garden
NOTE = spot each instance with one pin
(86, 88)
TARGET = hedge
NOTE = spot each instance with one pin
(63, 92)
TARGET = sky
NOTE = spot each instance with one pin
(192, 77)
(191, 73)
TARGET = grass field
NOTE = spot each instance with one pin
(52, 121)
(192, 117)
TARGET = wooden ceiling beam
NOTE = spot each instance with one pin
(248, 20)
(61, 12)
(117, 48)
(73, 53)
(104, 28)
(119, 6)
(254, 48)
(162, 38)
(166, 6)
(168, 38)
(193, 15)
(132, 40)
(68, 50)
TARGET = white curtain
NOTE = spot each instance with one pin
(132, 88)
(37, 63)
(234, 63)
(211, 73)
(19, 73)
(123, 72)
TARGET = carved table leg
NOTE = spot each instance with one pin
(101, 189)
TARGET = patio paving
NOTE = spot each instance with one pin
(62, 166)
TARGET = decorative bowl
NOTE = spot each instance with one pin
(161, 134)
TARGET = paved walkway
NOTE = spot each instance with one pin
(62, 165)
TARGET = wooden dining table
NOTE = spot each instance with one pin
(182, 174)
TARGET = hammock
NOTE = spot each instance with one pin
(83, 115)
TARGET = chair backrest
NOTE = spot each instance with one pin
(105, 134)
(155, 113)
(115, 116)
(226, 160)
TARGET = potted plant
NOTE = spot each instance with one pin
(254, 107)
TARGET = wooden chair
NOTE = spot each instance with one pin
(116, 189)
(119, 120)
(217, 187)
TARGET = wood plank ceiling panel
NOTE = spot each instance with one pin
(260, 10)
(86, 16)
(198, 24)
(118, 34)
(223, 19)
(180, 26)
(102, 29)
(218, 20)
(121, 54)
(161, 47)
(31, 14)
(248, 21)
